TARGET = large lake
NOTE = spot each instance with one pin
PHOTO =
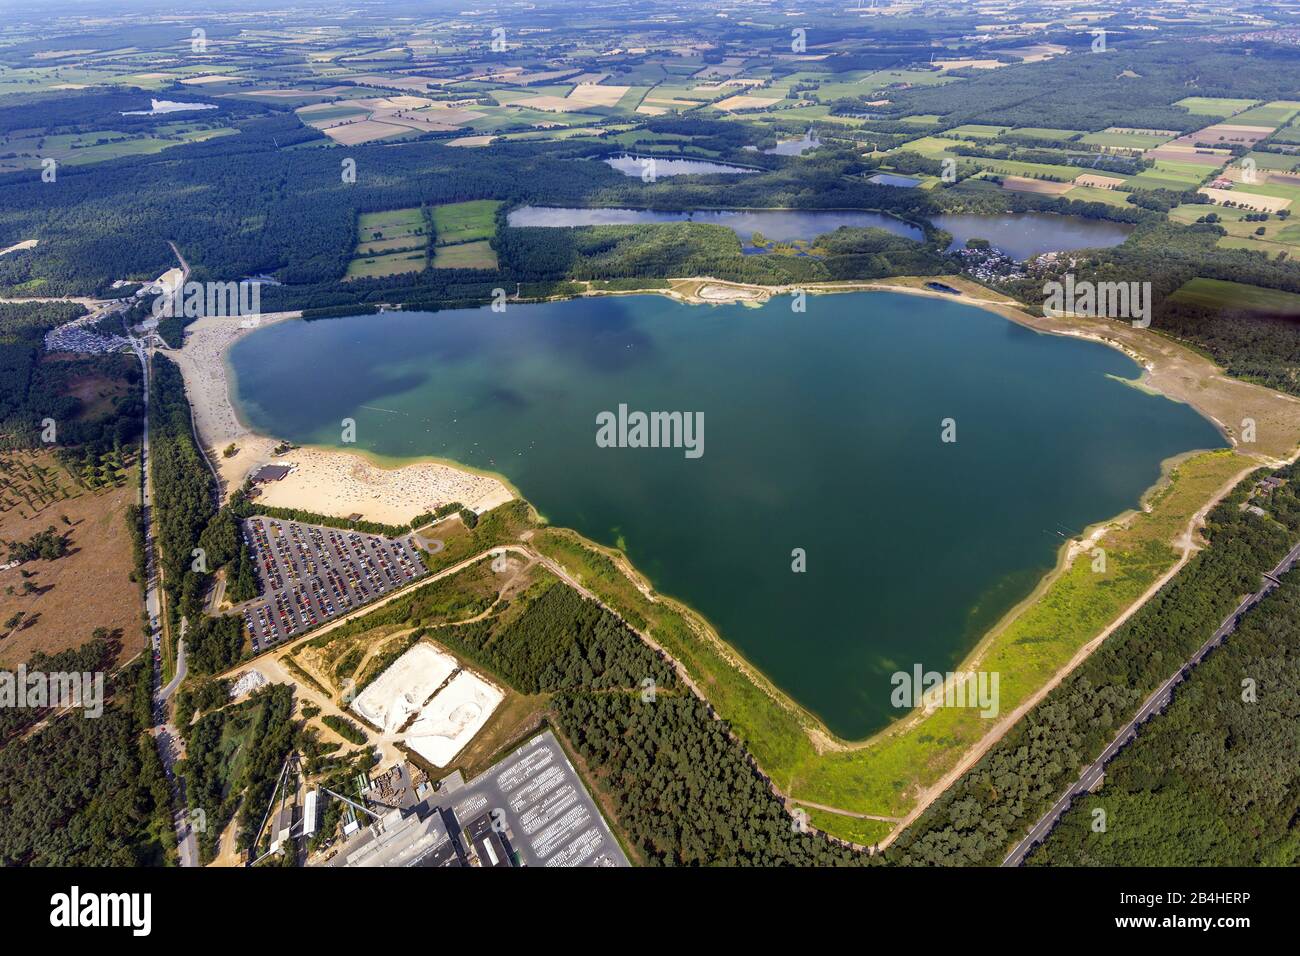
(782, 225)
(1024, 234)
(822, 432)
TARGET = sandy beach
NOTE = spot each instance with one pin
(326, 481)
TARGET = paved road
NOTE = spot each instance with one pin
(1157, 702)
(165, 694)
(165, 735)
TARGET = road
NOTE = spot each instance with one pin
(1154, 704)
(165, 694)
(165, 735)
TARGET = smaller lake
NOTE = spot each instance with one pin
(159, 107)
(781, 225)
(893, 179)
(630, 165)
(1024, 234)
(795, 147)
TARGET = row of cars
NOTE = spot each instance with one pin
(308, 574)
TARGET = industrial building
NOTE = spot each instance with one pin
(528, 809)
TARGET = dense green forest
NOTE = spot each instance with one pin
(183, 490)
(1215, 780)
(97, 654)
(233, 759)
(978, 819)
(188, 520)
(34, 388)
(85, 792)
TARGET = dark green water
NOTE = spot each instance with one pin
(822, 432)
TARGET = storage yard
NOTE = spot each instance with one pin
(437, 716)
(530, 809)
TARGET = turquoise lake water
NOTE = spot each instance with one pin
(821, 432)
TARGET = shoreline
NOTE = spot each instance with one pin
(323, 479)
(687, 291)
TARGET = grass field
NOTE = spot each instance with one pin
(1110, 197)
(386, 265)
(463, 231)
(1291, 134)
(1214, 106)
(1279, 234)
(975, 131)
(465, 221)
(465, 255)
(389, 243)
(1125, 140)
(1041, 132)
(1221, 294)
(1276, 113)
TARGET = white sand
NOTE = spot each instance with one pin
(323, 481)
(403, 688)
(452, 718)
(339, 483)
(18, 246)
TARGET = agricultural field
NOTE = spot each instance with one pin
(1171, 175)
(465, 221)
(463, 230)
(1221, 107)
(390, 243)
(1126, 139)
(1220, 294)
(1274, 114)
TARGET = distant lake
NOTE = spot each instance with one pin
(630, 165)
(795, 147)
(782, 225)
(1024, 234)
(169, 106)
(822, 432)
(893, 179)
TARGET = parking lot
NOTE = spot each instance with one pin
(310, 573)
(539, 806)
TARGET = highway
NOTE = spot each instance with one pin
(1154, 704)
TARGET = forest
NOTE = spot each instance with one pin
(34, 388)
(183, 490)
(1131, 85)
(233, 759)
(97, 654)
(1215, 780)
(89, 792)
(977, 820)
